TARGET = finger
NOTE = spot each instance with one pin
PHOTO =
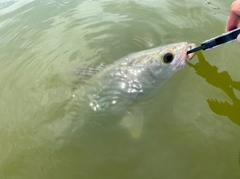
(234, 16)
(232, 22)
(235, 7)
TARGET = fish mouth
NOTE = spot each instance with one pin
(184, 57)
(189, 47)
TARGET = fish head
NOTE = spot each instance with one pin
(164, 61)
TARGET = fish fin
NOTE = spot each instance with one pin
(133, 122)
(84, 74)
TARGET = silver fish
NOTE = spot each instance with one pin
(111, 89)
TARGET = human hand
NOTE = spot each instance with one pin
(234, 17)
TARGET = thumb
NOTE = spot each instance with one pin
(238, 38)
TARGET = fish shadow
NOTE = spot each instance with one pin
(223, 81)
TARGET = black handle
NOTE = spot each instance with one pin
(224, 38)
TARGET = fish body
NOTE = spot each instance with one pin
(113, 88)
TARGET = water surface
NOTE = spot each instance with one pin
(191, 129)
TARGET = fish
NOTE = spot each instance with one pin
(113, 88)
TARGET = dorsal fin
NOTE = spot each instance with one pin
(82, 75)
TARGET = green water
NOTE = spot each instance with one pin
(191, 129)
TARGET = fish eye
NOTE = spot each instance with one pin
(168, 58)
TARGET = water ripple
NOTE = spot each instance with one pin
(43, 40)
(7, 6)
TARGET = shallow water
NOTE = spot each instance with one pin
(191, 129)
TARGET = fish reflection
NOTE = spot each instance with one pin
(226, 84)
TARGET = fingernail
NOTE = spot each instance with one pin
(238, 38)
